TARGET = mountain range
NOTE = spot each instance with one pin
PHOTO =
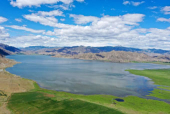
(7, 50)
(108, 53)
(82, 49)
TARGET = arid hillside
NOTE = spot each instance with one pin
(118, 56)
(10, 83)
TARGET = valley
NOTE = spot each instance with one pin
(14, 89)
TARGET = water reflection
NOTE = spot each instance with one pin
(84, 77)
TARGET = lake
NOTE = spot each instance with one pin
(84, 76)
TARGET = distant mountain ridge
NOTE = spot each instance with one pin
(108, 53)
(82, 49)
(34, 48)
(7, 50)
(4, 52)
(129, 49)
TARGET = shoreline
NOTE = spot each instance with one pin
(10, 84)
(127, 70)
(37, 88)
(151, 62)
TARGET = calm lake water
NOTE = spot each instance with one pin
(83, 76)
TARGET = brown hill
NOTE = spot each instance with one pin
(116, 56)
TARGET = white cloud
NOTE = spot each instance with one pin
(30, 40)
(18, 20)
(137, 3)
(153, 7)
(133, 3)
(51, 13)
(163, 20)
(80, 0)
(132, 19)
(3, 19)
(166, 10)
(122, 30)
(126, 2)
(30, 3)
(108, 30)
(26, 29)
(3, 33)
(50, 21)
(62, 19)
(81, 19)
(63, 6)
(31, 10)
(45, 18)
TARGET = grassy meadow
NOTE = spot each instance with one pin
(160, 77)
(43, 101)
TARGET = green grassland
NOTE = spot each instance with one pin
(43, 101)
(40, 103)
(154, 62)
(162, 94)
(159, 77)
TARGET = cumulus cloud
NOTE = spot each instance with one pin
(18, 20)
(133, 3)
(3, 33)
(166, 10)
(45, 18)
(3, 19)
(108, 30)
(50, 21)
(26, 29)
(81, 19)
(30, 3)
(113, 31)
(105, 31)
(51, 13)
(30, 40)
(163, 20)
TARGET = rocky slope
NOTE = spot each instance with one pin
(4, 62)
(4, 52)
(117, 56)
(105, 53)
(9, 48)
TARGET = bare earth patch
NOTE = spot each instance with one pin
(10, 83)
(49, 95)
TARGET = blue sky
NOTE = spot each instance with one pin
(136, 23)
